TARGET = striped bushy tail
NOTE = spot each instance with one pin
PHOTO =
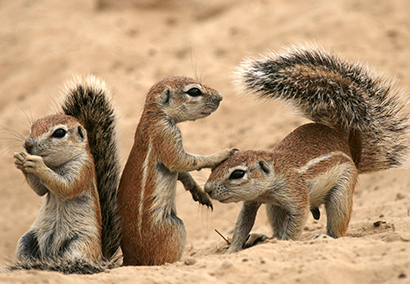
(88, 100)
(331, 91)
(66, 266)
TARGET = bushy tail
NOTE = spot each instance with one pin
(66, 266)
(331, 91)
(88, 100)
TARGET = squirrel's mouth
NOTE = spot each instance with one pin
(224, 199)
(206, 113)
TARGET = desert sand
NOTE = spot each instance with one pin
(132, 45)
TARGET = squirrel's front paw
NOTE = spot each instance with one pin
(19, 159)
(224, 155)
(233, 248)
(232, 151)
(33, 164)
(199, 195)
(253, 239)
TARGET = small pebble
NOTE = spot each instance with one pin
(189, 261)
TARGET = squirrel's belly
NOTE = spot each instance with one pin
(319, 186)
(63, 222)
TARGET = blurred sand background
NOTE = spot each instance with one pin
(132, 45)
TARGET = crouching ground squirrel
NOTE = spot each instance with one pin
(359, 126)
(152, 234)
(72, 158)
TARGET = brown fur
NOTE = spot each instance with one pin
(359, 127)
(72, 159)
(307, 169)
(152, 234)
(64, 178)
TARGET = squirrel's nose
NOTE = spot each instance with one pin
(215, 100)
(218, 97)
(28, 144)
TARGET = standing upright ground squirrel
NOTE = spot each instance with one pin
(152, 234)
(72, 159)
(359, 127)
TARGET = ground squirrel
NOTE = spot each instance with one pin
(72, 159)
(359, 127)
(152, 234)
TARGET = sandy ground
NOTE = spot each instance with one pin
(133, 44)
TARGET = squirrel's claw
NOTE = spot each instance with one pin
(201, 196)
(253, 239)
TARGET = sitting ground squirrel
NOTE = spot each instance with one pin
(152, 234)
(359, 127)
(72, 158)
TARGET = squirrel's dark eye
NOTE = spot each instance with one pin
(237, 174)
(59, 133)
(194, 92)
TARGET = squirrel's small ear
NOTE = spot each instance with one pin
(165, 97)
(264, 166)
(81, 132)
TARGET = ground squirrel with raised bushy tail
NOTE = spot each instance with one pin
(72, 158)
(152, 234)
(359, 126)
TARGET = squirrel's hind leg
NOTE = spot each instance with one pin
(79, 246)
(28, 247)
(339, 202)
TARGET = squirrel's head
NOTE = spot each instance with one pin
(57, 139)
(183, 98)
(242, 177)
